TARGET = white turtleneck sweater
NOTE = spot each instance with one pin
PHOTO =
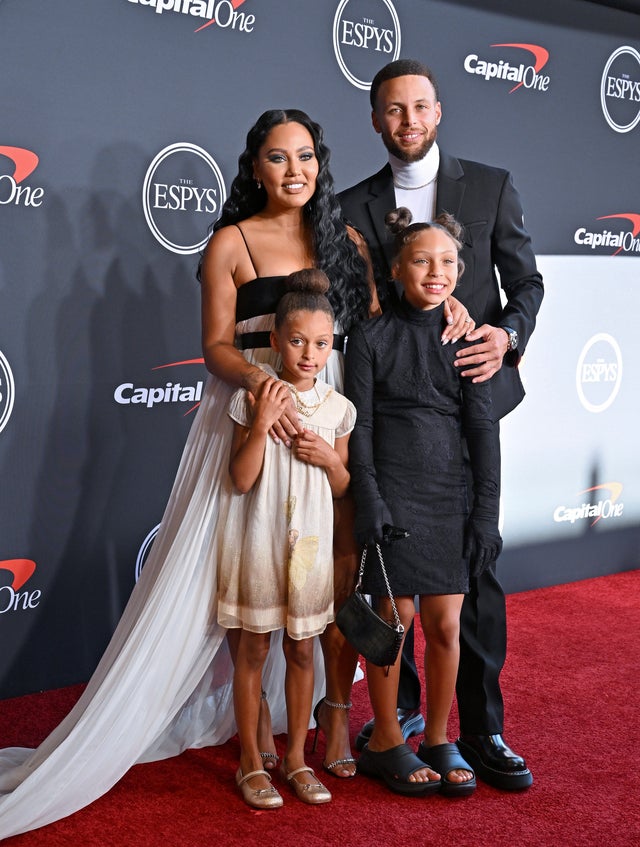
(415, 184)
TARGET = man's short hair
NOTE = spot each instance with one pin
(401, 67)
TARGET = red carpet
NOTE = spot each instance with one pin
(571, 684)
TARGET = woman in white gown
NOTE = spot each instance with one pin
(164, 682)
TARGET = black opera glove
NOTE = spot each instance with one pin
(483, 543)
(371, 518)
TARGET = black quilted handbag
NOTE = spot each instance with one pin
(377, 640)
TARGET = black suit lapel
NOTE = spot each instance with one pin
(451, 186)
(382, 201)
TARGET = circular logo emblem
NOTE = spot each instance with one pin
(7, 392)
(143, 552)
(183, 192)
(366, 36)
(599, 372)
(620, 89)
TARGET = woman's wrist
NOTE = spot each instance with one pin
(253, 379)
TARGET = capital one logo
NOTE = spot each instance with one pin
(12, 598)
(220, 12)
(127, 393)
(22, 164)
(594, 508)
(620, 89)
(182, 193)
(7, 392)
(599, 373)
(525, 73)
(620, 238)
(366, 36)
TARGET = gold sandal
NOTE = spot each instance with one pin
(258, 798)
(311, 793)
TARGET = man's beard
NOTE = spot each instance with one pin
(409, 156)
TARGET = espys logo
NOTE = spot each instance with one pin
(182, 191)
(7, 392)
(171, 392)
(622, 239)
(620, 89)
(11, 598)
(222, 13)
(11, 191)
(143, 552)
(602, 509)
(599, 373)
(524, 75)
(366, 35)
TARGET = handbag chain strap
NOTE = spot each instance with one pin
(396, 616)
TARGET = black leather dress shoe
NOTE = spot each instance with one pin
(494, 762)
(410, 720)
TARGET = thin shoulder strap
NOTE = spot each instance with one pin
(239, 228)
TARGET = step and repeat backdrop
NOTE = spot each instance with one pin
(121, 122)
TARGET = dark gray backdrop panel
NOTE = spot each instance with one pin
(89, 299)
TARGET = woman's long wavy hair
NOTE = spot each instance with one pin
(335, 253)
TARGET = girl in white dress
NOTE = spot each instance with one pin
(275, 560)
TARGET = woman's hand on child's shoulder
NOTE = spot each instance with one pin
(268, 404)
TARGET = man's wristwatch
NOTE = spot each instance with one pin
(512, 343)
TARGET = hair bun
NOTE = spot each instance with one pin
(449, 223)
(398, 219)
(312, 280)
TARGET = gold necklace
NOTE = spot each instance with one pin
(307, 409)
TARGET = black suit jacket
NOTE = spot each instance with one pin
(484, 200)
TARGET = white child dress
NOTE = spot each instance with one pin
(275, 561)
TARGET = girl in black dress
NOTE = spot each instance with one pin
(417, 418)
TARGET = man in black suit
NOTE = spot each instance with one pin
(406, 112)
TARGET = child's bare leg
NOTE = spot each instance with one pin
(440, 618)
(266, 743)
(298, 694)
(250, 655)
(383, 693)
(298, 689)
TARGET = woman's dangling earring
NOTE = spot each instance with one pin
(259, 184)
